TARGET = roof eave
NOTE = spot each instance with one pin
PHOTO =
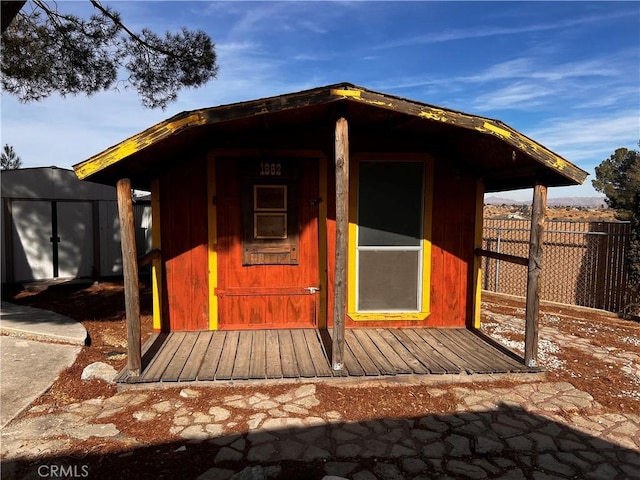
(324, 95)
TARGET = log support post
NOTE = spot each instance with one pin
(130, 271)
(538, 212)
(342, 242)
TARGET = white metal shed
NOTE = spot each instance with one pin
(56, 226)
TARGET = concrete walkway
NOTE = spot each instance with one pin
(537, 430)
(36, 346)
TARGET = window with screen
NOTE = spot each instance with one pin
(389, 239)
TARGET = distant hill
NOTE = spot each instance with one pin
(587, 202)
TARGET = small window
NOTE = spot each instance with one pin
(270, 197)
(269, 225)
(270, 222)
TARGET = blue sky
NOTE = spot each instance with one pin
(564, 73)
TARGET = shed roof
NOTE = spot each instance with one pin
(503, 157)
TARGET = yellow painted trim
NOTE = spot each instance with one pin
(212, 244)
(341, 92)
(322, 241)
(477, 261)
(156, 264)
(496, 130)
(136, 143)
(426, 233)
(372, 317)
(353, 236)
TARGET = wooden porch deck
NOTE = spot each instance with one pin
(304, 353)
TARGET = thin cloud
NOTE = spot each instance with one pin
(580, 139)
(482, 32)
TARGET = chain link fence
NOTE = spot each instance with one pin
(583, 262)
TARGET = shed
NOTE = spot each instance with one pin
(56, 226)
(337, 215)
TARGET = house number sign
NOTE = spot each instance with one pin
(270, 169)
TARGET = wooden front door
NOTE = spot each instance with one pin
(267, 230)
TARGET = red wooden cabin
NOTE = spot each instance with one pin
(331, 208)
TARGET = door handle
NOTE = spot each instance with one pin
(312, 290)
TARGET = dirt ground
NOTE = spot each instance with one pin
(100, 308)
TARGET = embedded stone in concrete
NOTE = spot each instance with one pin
(314, 453)
(295, 409)
(400, 451)
(144, 415)
(189, 393)
(284, 398)
(163, 407)
(255, 420)
(214, 429)
(468, 470)
(374, 448)
(413, 466)
(99, 371)
(305, 391)
(83, 432)
(340, 468)
(261, 453)
(182, 421)
(349, 450)
(435, 450)
(279, 423)
(364, 475)
(265, 405)
(227, 454)
(548, 462)
(199, 417)
(216, 474)
(387, 471)
(194, 432)
(307, 402)
(239, 444)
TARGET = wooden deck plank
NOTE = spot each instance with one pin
(258, 354)
(494, 359)
(517, 360)
(303, 357)
(429, 356)
(318, 355)
(351, 365)
(147, 355)
(455, 343)
(410, 359)
(177, 363)
(287, 355)
(389, 353)
(212, 356)
(153, 373)
(442, 348)
(243, 356)
(512, 363)
(228, 355)
(196, 358)
(451, 348)
(274, 362)
(360, 354)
